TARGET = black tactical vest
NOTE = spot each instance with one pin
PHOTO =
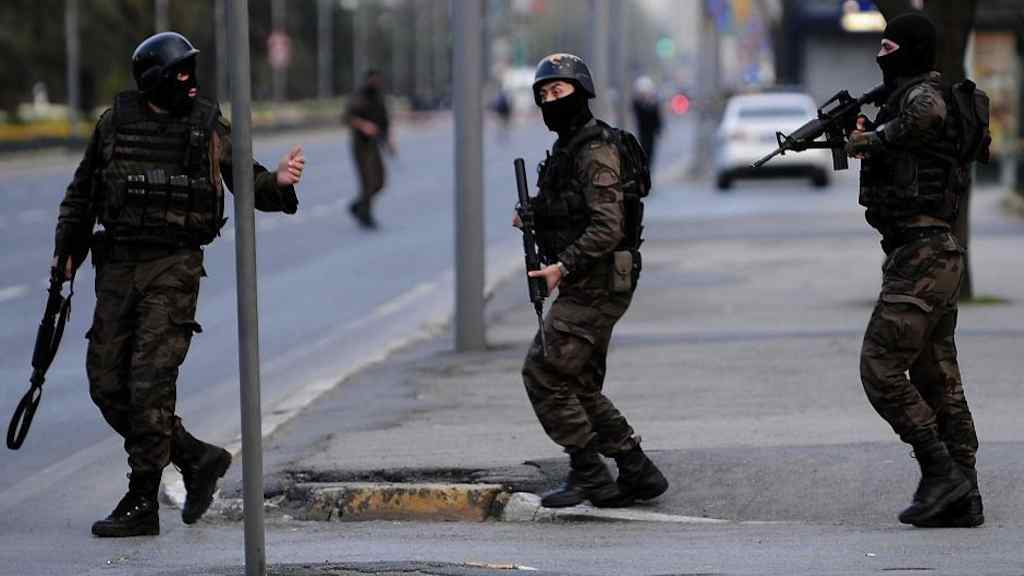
(560, 210)
(158, 186)
(922, 178)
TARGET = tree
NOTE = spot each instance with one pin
(954, 21)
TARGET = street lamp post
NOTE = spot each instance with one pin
(248, 310)
(469, 197)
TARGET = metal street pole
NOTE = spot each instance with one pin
(220, 46)
(72, 47)
(423, 43)
(621, 59)
(440, 47)
(469, 180)
(279, 26)
(599, 67)
(160, 19)
(248, 311)
(359, 30)
(325, 48)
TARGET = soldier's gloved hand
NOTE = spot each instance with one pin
(69, 266)
(516, 220)
(861, 144)
(289, 169)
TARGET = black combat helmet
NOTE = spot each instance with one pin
(565, 67)
(156, 56)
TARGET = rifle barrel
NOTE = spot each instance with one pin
(765, 160)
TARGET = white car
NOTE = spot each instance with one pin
(747, 133)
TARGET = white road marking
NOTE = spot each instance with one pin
(13, 292)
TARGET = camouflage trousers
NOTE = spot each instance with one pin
(565, 388)
(912, 332)
(141, 331)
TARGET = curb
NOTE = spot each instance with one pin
(525, 507)
(434, 501)
(362, 501)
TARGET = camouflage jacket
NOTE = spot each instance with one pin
(592, 176)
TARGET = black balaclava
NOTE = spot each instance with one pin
(171, 94)
(566, 113)
(916, 36)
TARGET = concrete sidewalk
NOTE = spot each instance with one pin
(737, 364)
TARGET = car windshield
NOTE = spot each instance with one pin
(777, 111)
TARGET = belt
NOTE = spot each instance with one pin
(142, 252)
(913, 234)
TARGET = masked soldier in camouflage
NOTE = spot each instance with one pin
(910, 186)
(581, 224)
(152, 178)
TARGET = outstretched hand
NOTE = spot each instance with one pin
(289, 169)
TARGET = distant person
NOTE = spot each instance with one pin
(368, 116)
(910, 185)
(503, 110)
(647, 112)
(588, 229)
(153, 178)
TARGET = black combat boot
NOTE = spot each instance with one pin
(942, 483)
(136, 513)
(967, 512)
(201, 465)
(638, 476)
(588, 479)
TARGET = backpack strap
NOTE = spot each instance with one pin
(128, 108)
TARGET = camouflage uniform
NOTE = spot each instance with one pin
(910, 191)
(565, 388)
(146, 295)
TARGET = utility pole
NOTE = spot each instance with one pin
(621, 59)
(440, 50)
(397, 48)
(248, 308)
(423, 43)
(359, 35)
(160, 19)
(280, 30)
(325, 48)
(469, 181)
(73, 48)
(599, 66)
(220, 46)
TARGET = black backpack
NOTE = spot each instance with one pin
(968, 109)
(634, 171)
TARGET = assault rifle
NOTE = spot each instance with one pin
(48, 336)
(538, 286)
(837, 118)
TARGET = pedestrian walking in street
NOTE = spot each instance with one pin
(153, 178)
(647, 113)
(911, 180)
(369, 119)
(588, 229)
(502, 107)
